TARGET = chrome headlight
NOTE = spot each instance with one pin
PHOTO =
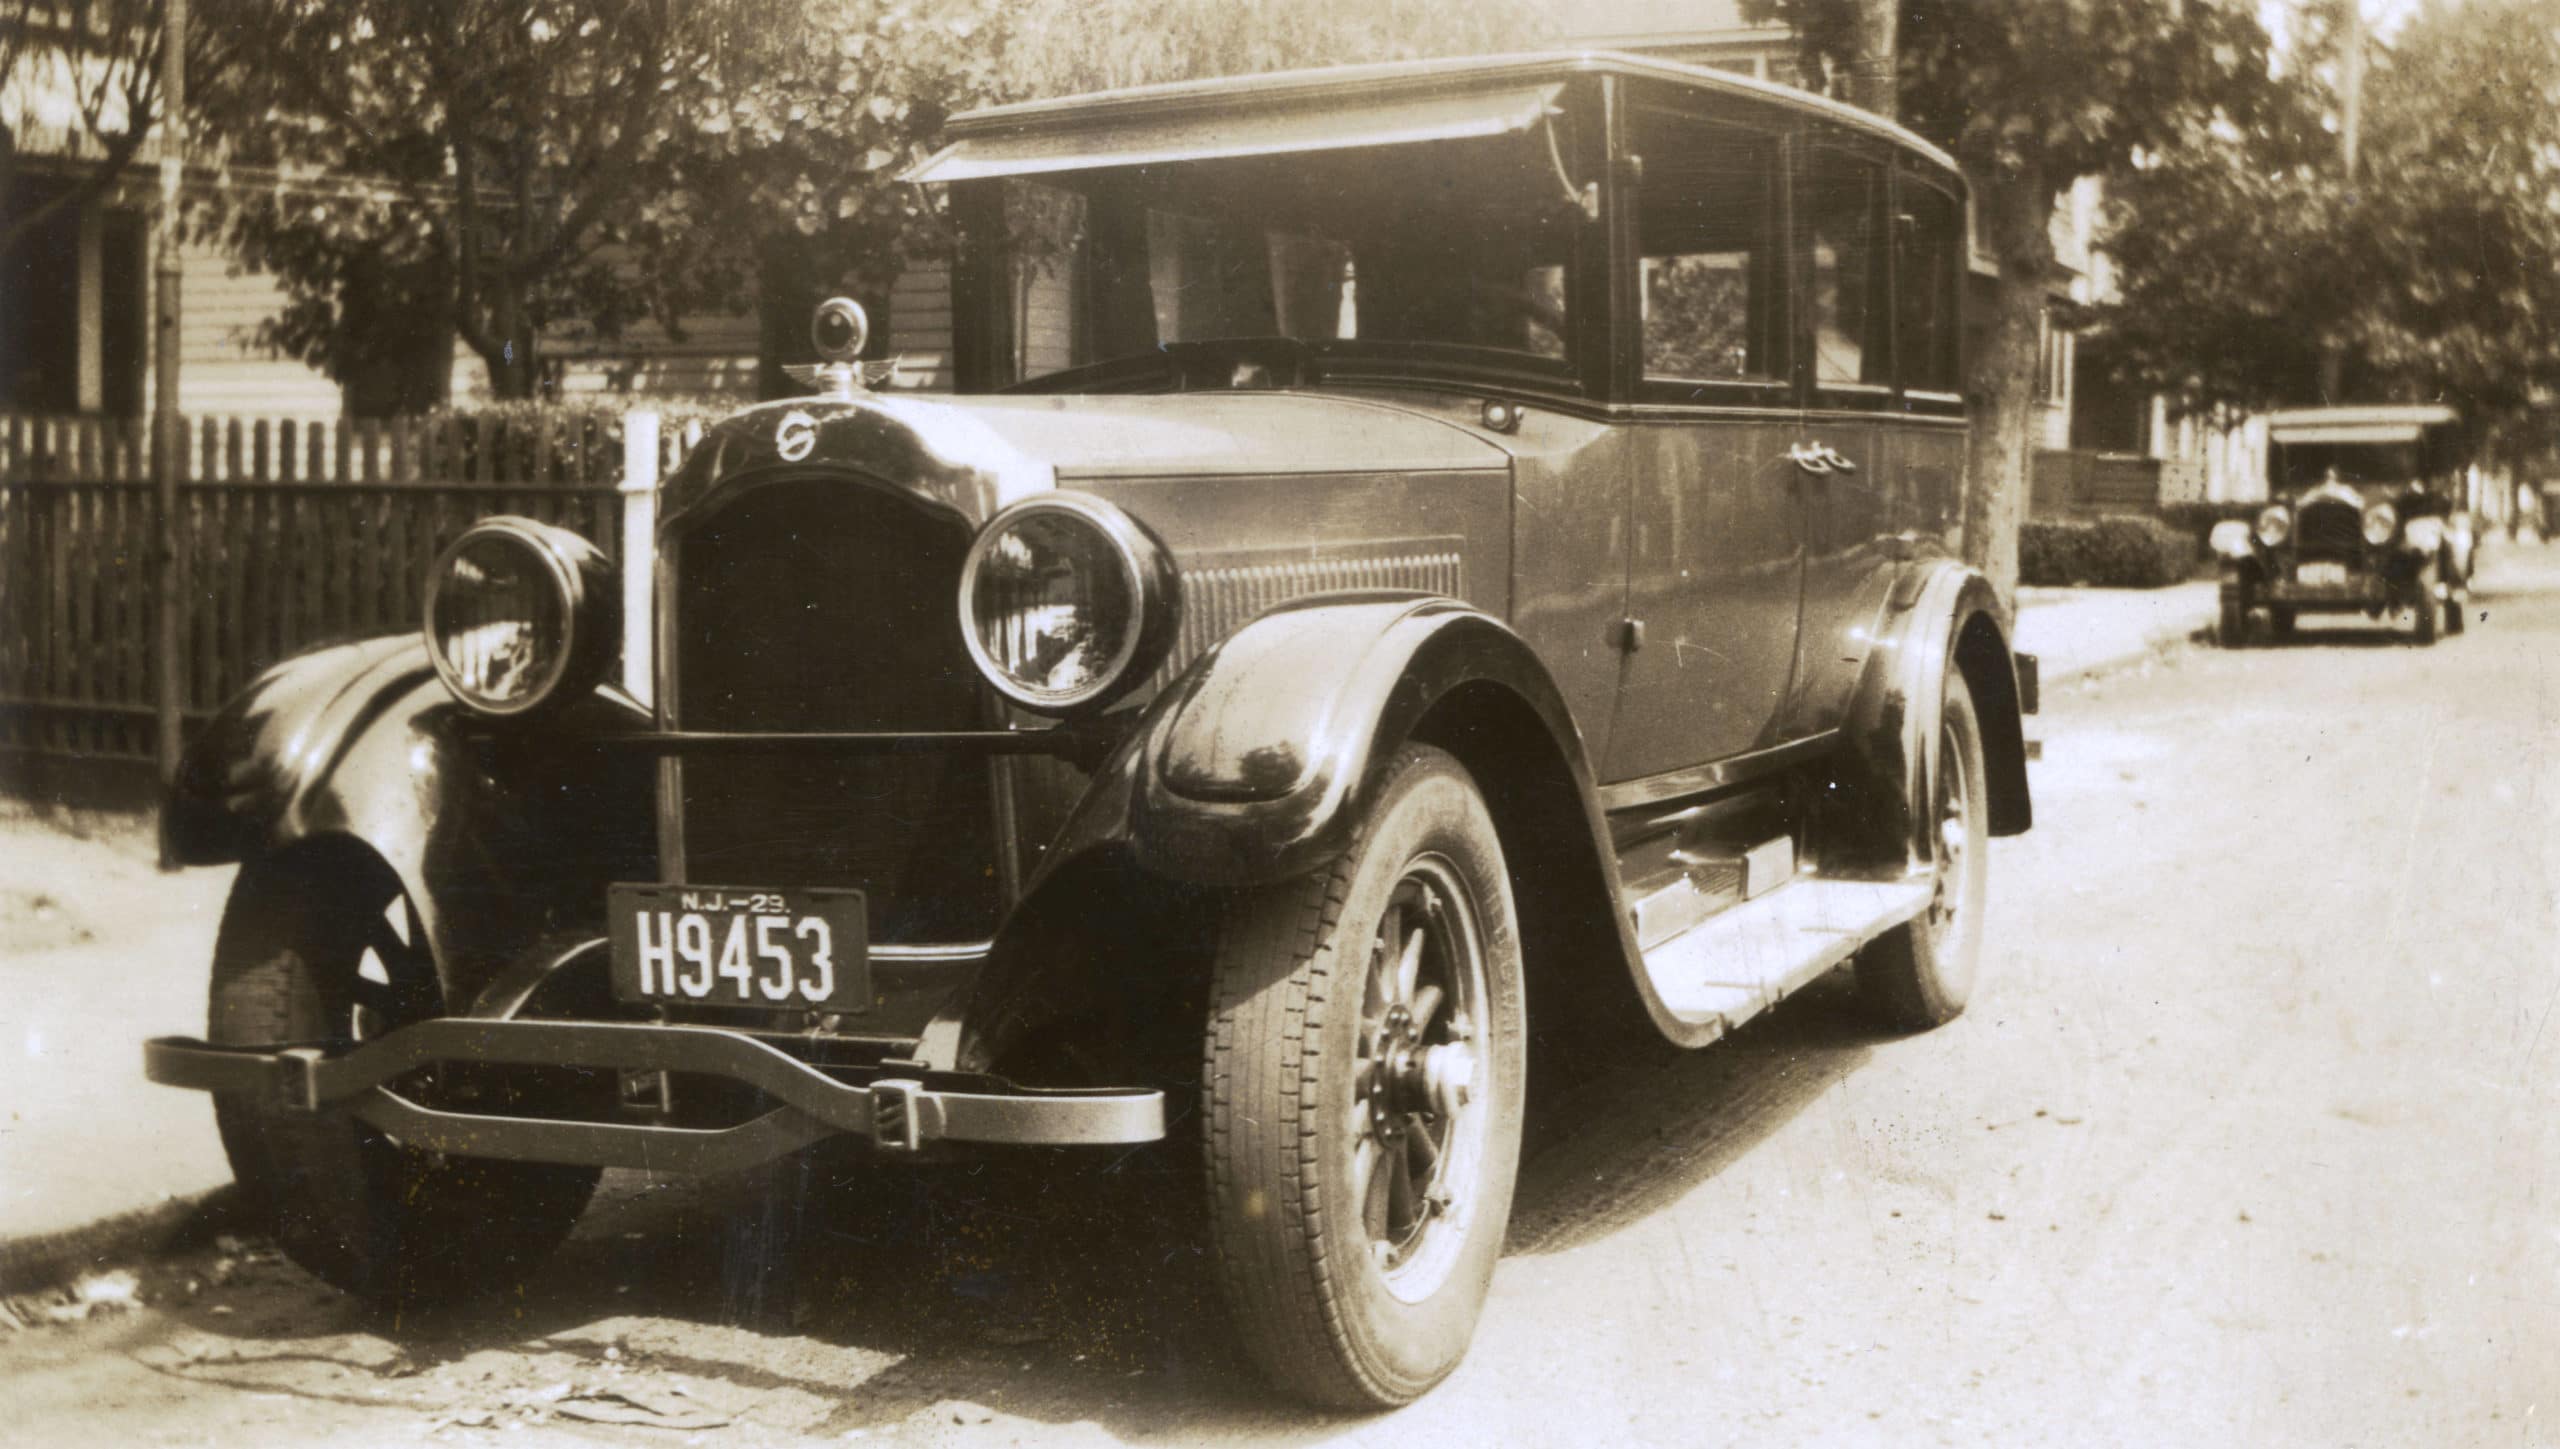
(519, 614)
(1067, 603)
(2380, 522)
(2275, 524)
(2423, 535)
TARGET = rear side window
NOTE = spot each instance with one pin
(1840, 205)
(1712, 292)
(1929, 261)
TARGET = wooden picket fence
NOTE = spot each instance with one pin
(291, 534)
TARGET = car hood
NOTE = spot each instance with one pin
(978, 454)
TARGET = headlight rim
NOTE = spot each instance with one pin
(1155, 591)
(2274, 525)
(2384, 514)
(589, 610)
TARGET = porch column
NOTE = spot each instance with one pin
(92, 310)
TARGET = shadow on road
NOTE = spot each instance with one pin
(1070, 1287)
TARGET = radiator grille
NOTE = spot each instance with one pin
(826, 603)
(2329, 528)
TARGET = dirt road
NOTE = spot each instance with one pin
(2251, 1138)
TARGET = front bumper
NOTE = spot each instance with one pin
(898, 1113)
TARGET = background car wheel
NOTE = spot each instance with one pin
(1363, 1076)
(2280, 623)
(2428, 612)
(2454, 607)
(1921, 974)
(334, 955)
(2231, 628)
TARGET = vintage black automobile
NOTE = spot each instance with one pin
(2362, 521)
(1426, 553)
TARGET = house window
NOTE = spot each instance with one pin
(2053, 361)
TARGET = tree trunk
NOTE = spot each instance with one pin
(2013, 211)
(1874, 81)
(509, 350)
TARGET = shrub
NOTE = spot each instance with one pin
(2114, 553)
(499, 439)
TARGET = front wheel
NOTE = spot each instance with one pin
(1364, 1074)
(1921, 974)
(334, 956)
(2231, 629)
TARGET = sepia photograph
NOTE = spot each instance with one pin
(1254, 723)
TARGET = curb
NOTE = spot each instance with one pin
(2153, 643)
(39, 1261)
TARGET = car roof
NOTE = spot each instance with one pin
(1224, 102)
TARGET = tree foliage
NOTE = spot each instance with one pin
(88, 73)
(495, 168)
(2434, 269)
(2030, 96)
(501, 170)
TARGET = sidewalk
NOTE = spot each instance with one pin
(98, 949)
(2073, 632)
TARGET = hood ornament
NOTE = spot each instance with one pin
(840, 329)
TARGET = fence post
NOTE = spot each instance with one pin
(639, 489)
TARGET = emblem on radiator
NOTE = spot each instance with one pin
(797, 434)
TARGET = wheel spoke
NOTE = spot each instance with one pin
(1409, 969)
(1426, 1005)
(387, 945)
(1401, 1202)
(1422, 1153)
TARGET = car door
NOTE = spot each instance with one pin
(1715, 554)
(1881, 255)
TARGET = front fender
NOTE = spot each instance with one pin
(1257, 764)
(1254, 767)
(497, 834)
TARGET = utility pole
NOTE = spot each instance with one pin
(168, 442)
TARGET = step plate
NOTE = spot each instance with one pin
(1745, 960)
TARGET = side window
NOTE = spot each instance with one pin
(1841, 207)
(1714, 307)
(1928, 233)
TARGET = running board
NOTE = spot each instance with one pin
(1742, 961)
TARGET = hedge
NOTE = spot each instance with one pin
(2114, 553)
(586, 432)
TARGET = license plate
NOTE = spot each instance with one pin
(2325, 574)
(802, 948)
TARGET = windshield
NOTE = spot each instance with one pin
(2358, 465)
(1454, 251)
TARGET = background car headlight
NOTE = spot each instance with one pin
(2423, 535)
(2275, 525)
(2380, 522)
(519, 614)
(1067, 603)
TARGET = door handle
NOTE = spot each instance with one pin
(1813, 458)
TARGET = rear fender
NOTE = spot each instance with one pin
(1943, 619)
(497, 834)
